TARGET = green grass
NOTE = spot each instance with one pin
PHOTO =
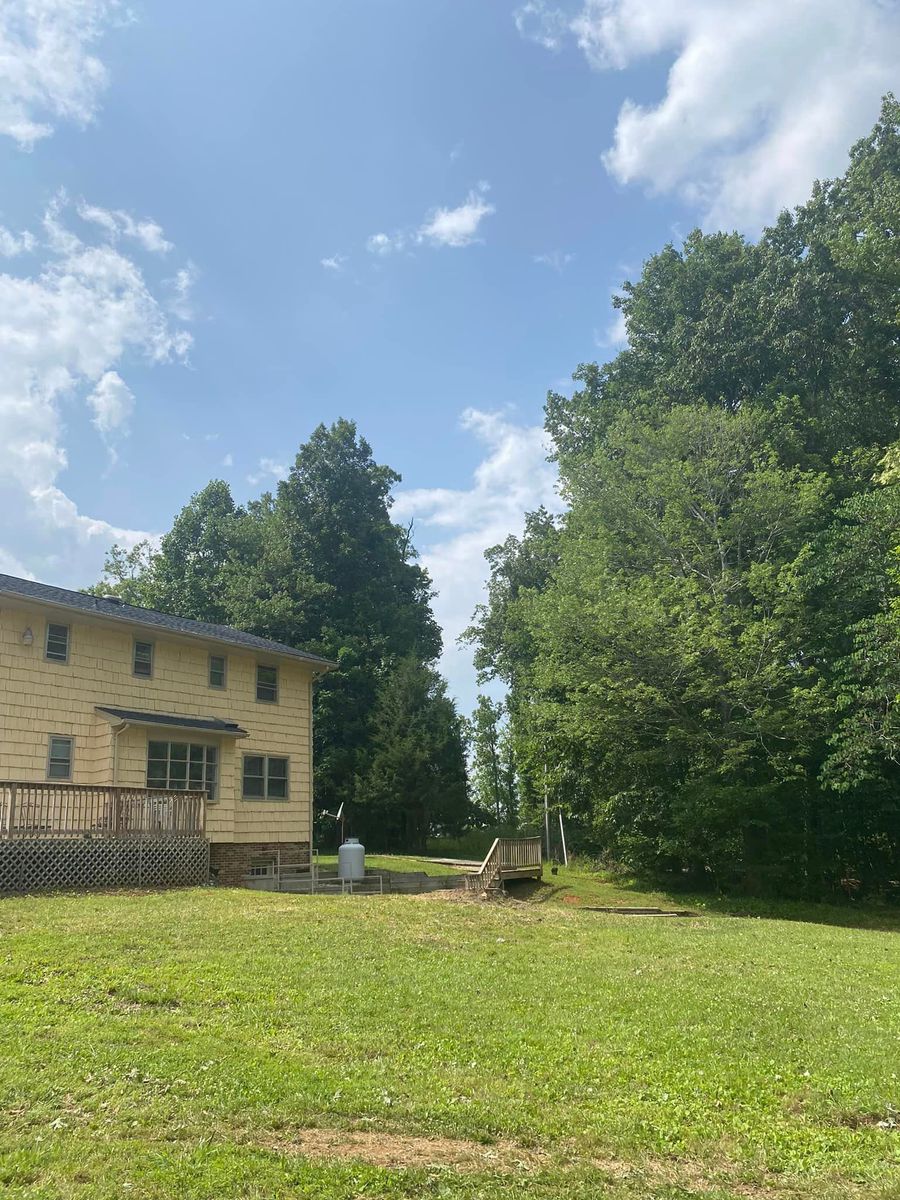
(395, 862)
(172, 1044)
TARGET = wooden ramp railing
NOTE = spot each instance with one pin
(508, 858)
(66, 810)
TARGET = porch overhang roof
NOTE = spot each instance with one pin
(171, 721)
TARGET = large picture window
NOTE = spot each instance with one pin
(265, 777)
(182, 766)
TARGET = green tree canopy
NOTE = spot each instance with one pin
(320, 564)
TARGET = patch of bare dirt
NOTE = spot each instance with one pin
(395, 1150)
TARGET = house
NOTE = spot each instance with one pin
(151, 723)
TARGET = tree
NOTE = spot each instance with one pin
(319, 565)
(493, 771)
(418, 752)
(702, 659)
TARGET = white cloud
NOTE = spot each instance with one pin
(65, 332)
(112, 403)
(47, 70)
(147, 233)
(457, 226)
(615, 335)
(335, 263)
(268, 468)
(442, 226)
(556, 260)
(538, 22)
(12, 244)
(383, 244)
(762, 97)
(180, 302)
(228, 460)
(454, 526)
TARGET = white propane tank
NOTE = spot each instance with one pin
(352, 860)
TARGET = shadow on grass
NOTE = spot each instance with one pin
(582, 888)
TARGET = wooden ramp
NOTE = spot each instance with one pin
(508, 859)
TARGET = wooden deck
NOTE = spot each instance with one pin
(507, 860)
(66, 810)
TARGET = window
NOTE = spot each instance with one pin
(265, 778)
(59, 757)
(57, 647)
(143, 659)
(182, 766)
(217, 670)
(267, 684)
(261, 867)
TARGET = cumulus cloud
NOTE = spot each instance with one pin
(334, 263)
(12, 244)
(761, 97)
(538, 22)
(181, 287)
(66, 330)
(441, 227)
(454, 526)
(268, 469)
(457, 226)
(49, 72)
(383, 244)
(148, 233)
(615, 335)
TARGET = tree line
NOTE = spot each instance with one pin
(702, 654)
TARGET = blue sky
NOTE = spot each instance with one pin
(216, 233)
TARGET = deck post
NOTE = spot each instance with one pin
(11, 811)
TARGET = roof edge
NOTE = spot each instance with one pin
(321, 665)
(158, 721)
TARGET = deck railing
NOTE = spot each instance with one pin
(66, 810)
(506, 855)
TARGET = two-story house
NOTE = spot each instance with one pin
(97, 692)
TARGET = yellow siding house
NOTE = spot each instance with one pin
(98, 693)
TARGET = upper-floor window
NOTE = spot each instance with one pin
(217, 669)
(59, 757)
(143, 659)
(56, 648)
(267, 684)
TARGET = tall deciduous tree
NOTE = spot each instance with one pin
(494, 788)
(702, 660)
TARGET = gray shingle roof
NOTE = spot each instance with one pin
(206, 724)
(149, 618)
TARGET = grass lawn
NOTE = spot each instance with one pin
(221, 1043)
(395, 862)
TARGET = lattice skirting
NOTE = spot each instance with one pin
(51, 865)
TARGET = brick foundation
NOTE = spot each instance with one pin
(230, 861)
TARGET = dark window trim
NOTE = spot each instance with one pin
(62, 662)
(219, 687)
(268, 667)
(265, 798)
(61, 737)
(217, 768)
(134, 645)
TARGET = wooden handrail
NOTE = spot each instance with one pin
(48, 809)
(506, 854)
